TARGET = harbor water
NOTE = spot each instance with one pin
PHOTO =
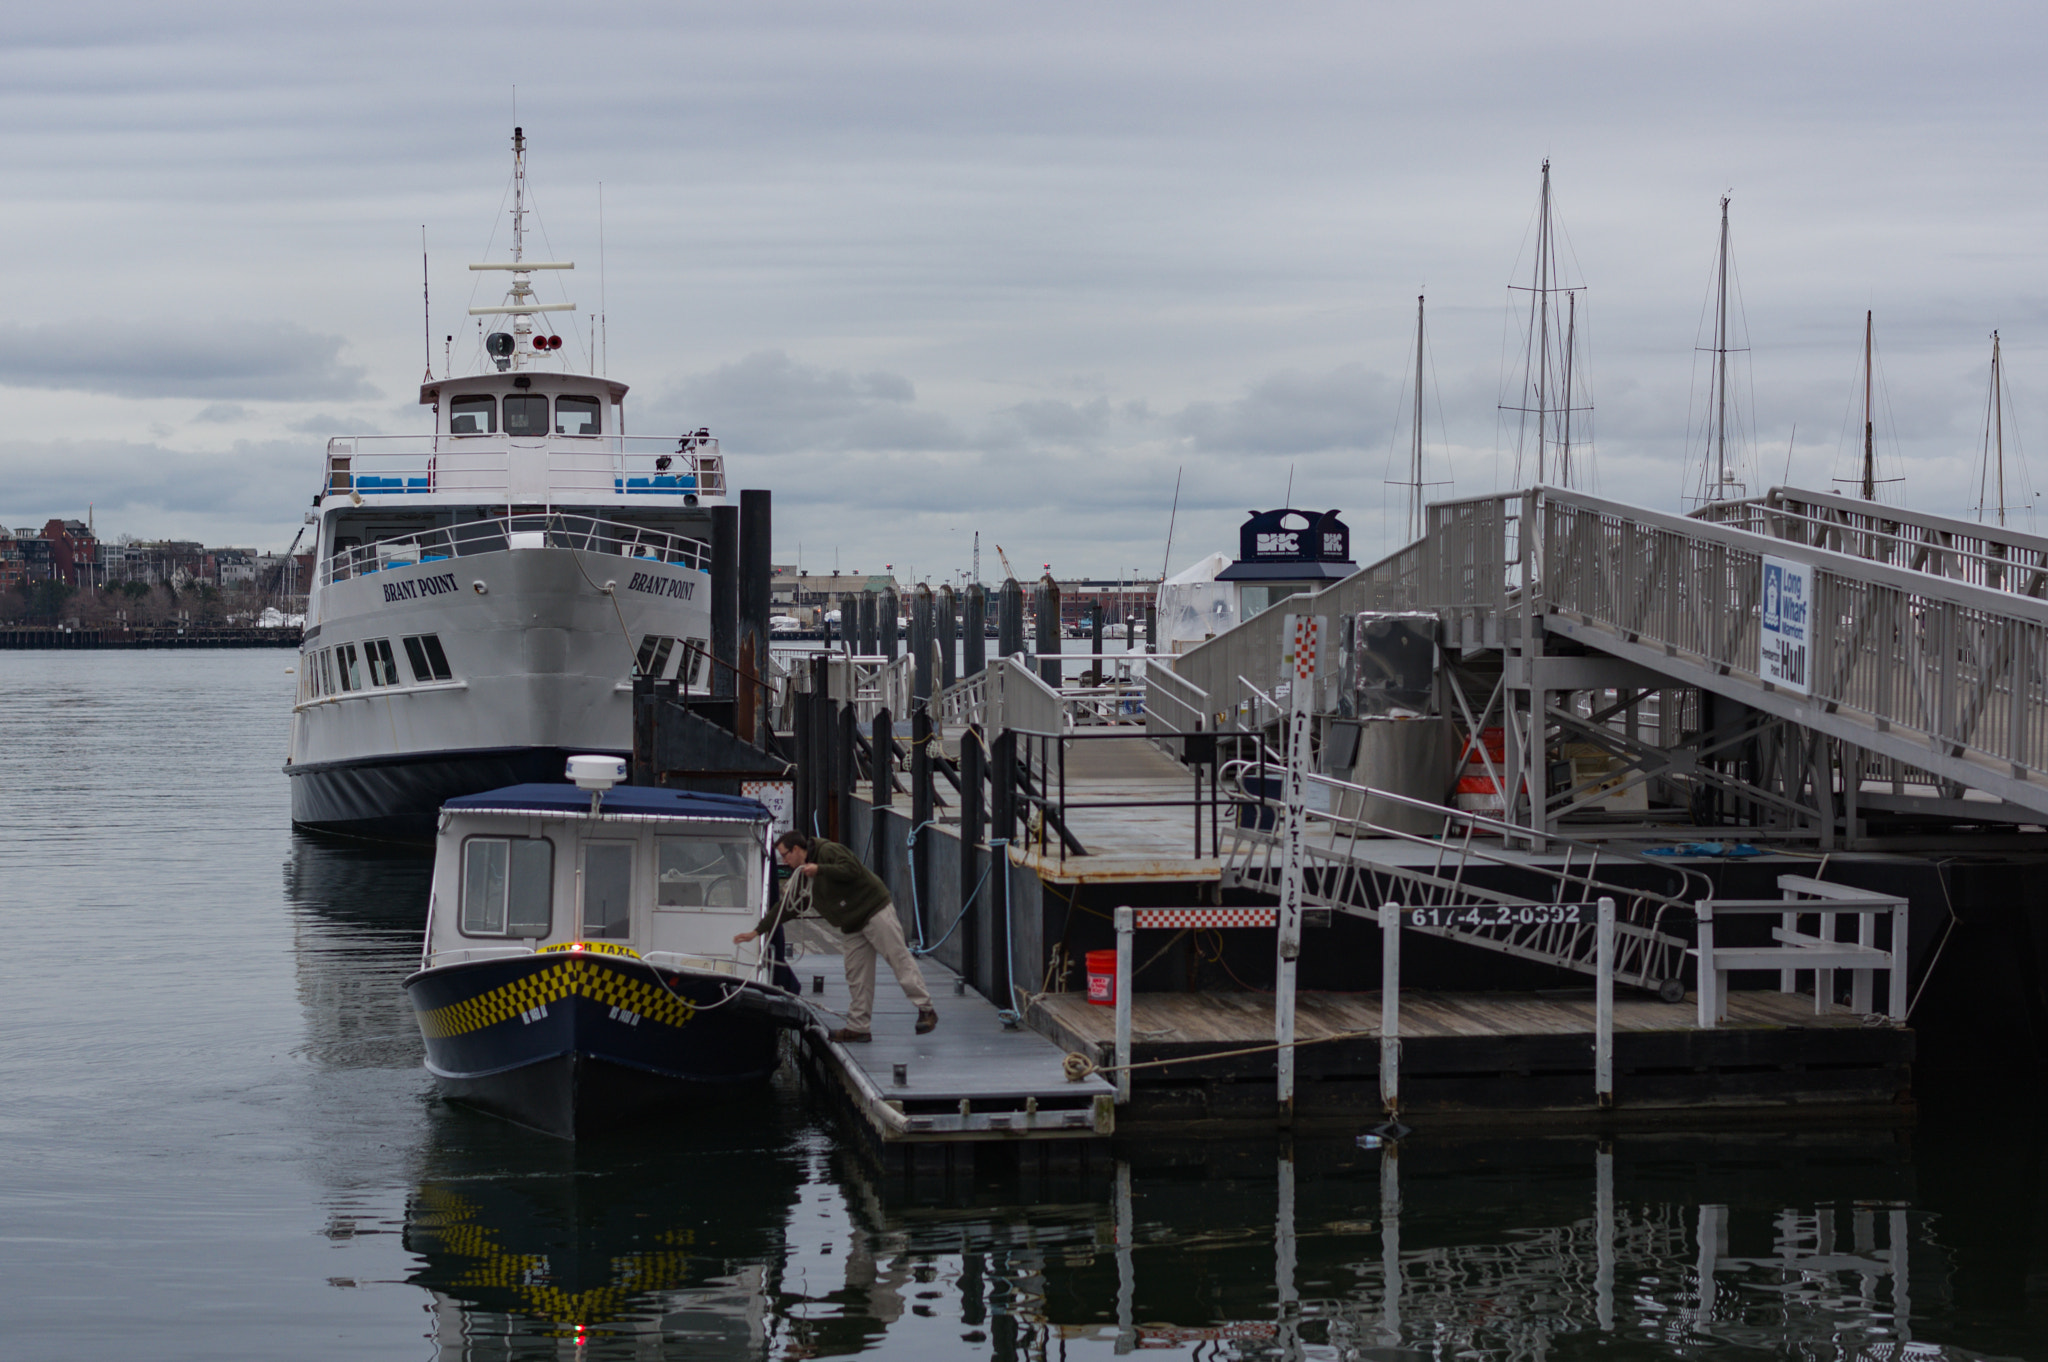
(220, 1143)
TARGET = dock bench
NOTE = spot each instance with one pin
(1798, 951)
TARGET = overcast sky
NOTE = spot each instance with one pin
(928, 269)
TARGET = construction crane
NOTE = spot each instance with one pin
(1009, 573)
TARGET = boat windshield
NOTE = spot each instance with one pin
(473, 416)
(703, 872)
(506, 884)
(607, 890)
(526, 415)
(576, 416)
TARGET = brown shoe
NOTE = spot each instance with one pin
(927, 1021)
(846, 1036)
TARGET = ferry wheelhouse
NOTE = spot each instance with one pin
(579, 970)
(483, 595)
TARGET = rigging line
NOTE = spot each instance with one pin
(492, 240)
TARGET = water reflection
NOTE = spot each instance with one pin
(757, 1230)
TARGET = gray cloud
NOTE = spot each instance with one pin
(277, 361)
(770, 403)
(222, 413)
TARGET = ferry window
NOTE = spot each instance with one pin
(507, 886)
(326, 672)
(429, 663)
(654, 651)
(526, 415)
(698, 872)
(576, 416)
(473, 416)
(351, 670)
(697, 657)
(607, 890)
(383, 670)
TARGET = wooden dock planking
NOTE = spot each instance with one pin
(1497, 1053)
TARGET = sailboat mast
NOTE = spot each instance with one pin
(1869, 441)
(1543, 333)
(1571, 341)
(1721, 366)
(1998, 422)
(1415, 472)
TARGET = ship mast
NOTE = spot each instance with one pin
(1721, 363)
(517, 348)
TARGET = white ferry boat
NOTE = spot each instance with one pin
(484, 595)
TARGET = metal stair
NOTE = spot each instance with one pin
(1347, 869)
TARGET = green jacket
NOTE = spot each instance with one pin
(844, 892)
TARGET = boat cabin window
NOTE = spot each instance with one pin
(703, 872)
(507, 886)
(607, 890)
(351, 670)
(576, 416)
(526, 415)
(654, 651)
(383, 669)
(429, 663)
(326, 672)
(473, 415)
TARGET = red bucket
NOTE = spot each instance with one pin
(1102, 978)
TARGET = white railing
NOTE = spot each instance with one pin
(1797, 951)
(558, 530)
(504, 468)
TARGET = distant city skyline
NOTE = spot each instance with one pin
(931, 271)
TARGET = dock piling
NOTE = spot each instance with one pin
(1047, 605)
(948, 630)
(1010, 618)
(974, 635)
(887, 613)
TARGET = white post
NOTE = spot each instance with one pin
(1298, 663)
(1390, 1009)
(1124, 942)
(1603, 1009)
(1709, 1001)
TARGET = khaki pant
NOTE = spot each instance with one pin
(883, 934)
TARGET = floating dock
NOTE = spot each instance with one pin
(971, 1082)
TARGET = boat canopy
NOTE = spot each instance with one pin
(645, 800)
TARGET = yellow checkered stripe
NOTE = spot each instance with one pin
(599, 983)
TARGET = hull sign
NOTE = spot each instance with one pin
(419, 588)
(1783, 639)
(669, 587)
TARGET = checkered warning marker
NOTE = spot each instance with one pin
(1181, 918)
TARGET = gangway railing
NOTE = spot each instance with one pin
(1993, 556)
(1948, 674)
(1349, 869)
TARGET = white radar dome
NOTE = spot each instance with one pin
(597, 773)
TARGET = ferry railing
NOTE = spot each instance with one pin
(1352, 874)
(503, 466)
(554, 529)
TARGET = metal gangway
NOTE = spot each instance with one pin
(1929, 649)
(1353, 863)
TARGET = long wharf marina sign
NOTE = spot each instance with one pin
(1783, 641)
